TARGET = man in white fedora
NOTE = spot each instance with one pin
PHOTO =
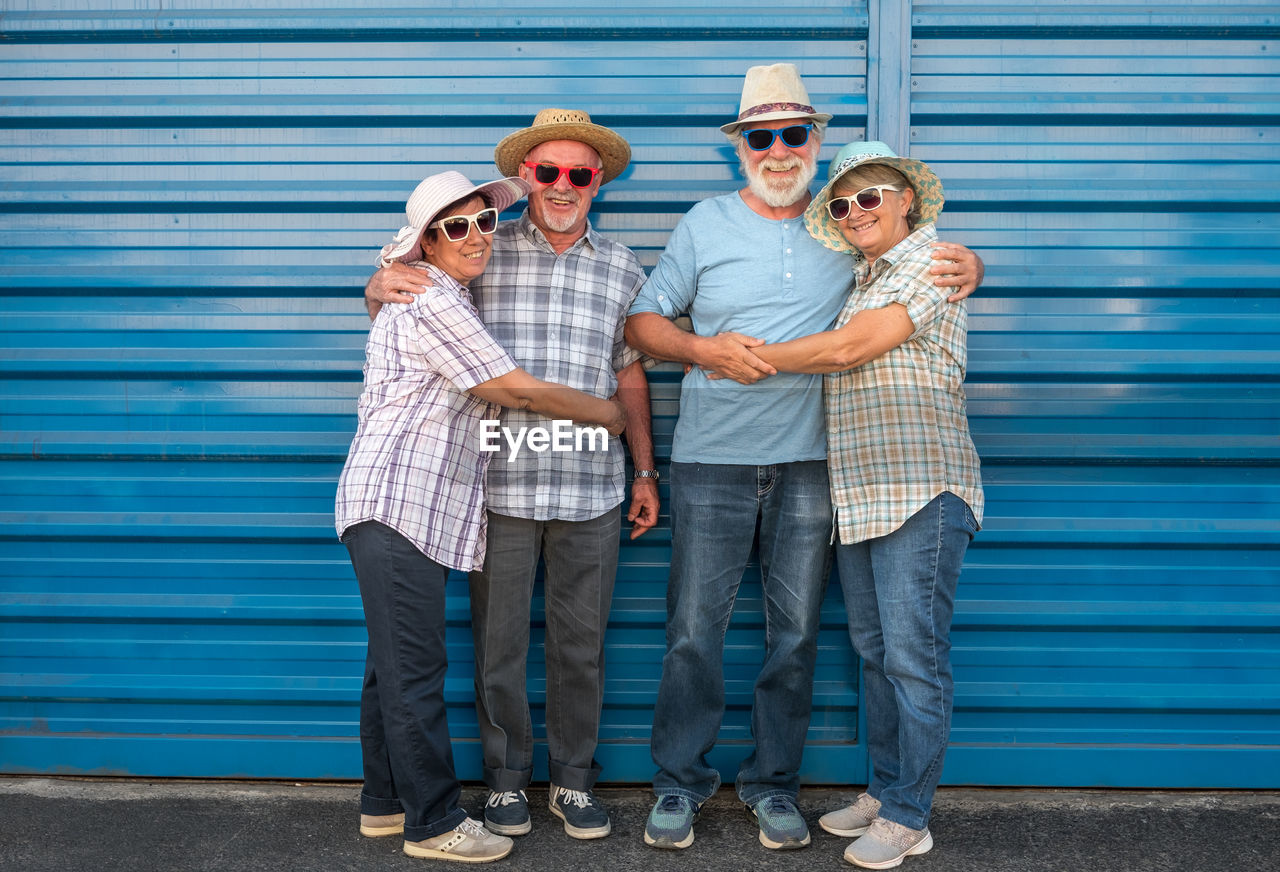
(748, 454)
(555, 296)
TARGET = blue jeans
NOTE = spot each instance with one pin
(899, 592)
(404, 734)
(714, 512)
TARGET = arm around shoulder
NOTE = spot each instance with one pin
(958, 267)
(396, 283)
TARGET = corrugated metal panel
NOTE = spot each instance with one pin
(191, 198)
(1119, 168)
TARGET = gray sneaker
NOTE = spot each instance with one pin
(583, 815)
(670, 824)
(852, 820)
(507, 813)
(886, 843)
(468, 842)
(781, 824)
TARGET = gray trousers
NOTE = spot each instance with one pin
(581, 560)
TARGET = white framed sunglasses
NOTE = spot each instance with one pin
(458, 227)
(867, 199)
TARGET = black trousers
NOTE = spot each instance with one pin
(404, 735)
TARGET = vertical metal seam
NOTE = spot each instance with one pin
(889, 72)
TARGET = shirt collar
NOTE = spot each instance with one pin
(922, 235)
(442, 281)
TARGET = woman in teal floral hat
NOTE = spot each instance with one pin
(905, 480)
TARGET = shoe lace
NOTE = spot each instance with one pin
(500, 799)
(471, 827)
(672, 802)
(579, 798)
(778, 804)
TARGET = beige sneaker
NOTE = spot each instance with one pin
(885, 844)
(374, 825)
(852, 820)
(468, 842)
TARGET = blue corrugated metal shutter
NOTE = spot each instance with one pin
(1119, 169)
(191, 200)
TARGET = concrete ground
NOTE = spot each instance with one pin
(102, 825)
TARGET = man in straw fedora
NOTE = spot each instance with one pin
(748, 455)
(555, 296)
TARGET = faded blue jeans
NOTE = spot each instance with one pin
(714, 512)
(900, 592)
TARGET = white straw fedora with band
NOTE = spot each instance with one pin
(571, 124)
(928, 190)
(429, 199)
(773, 93)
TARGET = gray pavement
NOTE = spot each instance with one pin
(102, 825)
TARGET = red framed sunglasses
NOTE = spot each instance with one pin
(549, 174)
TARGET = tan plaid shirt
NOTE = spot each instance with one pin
(897, 434)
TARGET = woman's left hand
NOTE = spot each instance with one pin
(958, 268)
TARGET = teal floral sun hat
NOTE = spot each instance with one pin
(927, 186)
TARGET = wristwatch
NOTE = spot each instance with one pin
(648, 473)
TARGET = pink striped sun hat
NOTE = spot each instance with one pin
(429, 199)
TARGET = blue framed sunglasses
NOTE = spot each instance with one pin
(761, 138)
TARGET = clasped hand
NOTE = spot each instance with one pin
(728, 355)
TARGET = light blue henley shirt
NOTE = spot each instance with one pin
(733, 270)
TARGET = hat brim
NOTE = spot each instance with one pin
(614, 151)
(499, 194)
(781, 115)
(928, 194)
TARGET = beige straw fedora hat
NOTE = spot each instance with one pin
(571, 124)
(772, 93)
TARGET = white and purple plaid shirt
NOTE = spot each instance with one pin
(415, 463)
(561, 317)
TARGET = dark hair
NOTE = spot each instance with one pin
(878, 174)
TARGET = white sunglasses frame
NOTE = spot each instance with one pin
(473, 220)
(852, 199)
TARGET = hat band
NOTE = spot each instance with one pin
(851, 160)
(775, 107)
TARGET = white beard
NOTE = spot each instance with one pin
(560, 223)
(780, 193)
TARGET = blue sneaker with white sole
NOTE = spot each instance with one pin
(670, 824)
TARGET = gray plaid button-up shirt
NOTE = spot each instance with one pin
(561, 318)
(416, 463)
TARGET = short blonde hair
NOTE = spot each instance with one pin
(870, 174)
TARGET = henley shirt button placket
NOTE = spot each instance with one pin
(786, 258)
